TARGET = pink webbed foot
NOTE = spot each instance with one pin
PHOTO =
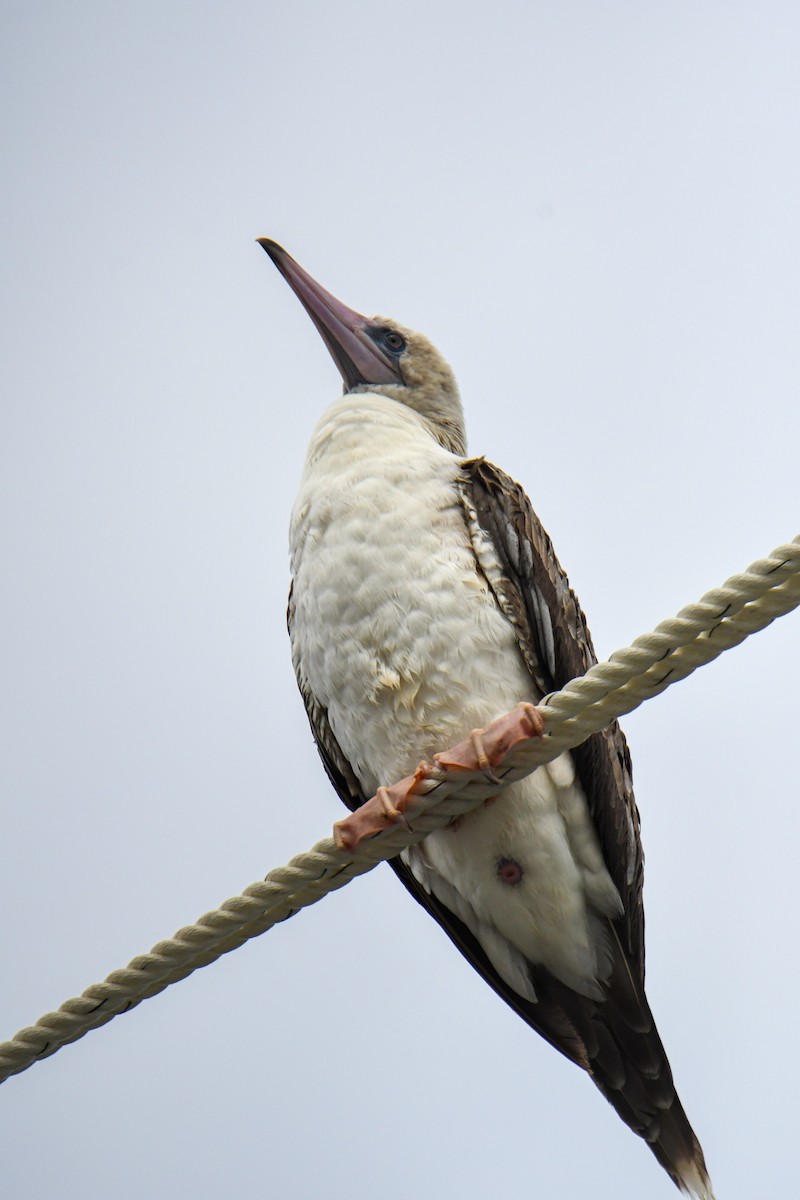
(487, 748)
(482, 751)
(385, 809)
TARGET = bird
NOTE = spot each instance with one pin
(426, 599)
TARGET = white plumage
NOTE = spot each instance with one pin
(400, 639)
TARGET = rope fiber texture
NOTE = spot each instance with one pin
(699, 633)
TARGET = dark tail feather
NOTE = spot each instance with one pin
(615, 1040)
(629, 1065)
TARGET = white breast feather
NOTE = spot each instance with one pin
(398, 636)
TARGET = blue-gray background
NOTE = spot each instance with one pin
(593, 210)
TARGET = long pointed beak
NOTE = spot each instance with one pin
(344, 331)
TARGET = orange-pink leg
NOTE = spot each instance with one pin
(481, 752)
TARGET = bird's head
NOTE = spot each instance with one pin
(375, 354)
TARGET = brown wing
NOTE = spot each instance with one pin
(534, 593)
(617, 1037)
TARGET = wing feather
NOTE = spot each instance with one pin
(534, 593)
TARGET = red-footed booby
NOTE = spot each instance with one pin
(426, 600)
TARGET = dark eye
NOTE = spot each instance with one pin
(393, 341)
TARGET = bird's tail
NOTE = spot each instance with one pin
(614, 1039)
(662, 1123)
(627, 1061)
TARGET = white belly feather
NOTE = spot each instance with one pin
(398, 636)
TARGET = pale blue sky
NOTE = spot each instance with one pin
(593, 211)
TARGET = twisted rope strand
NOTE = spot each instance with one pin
(699, 633)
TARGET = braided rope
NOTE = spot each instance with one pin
(699, 633)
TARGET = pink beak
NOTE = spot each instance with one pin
(345, 332)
